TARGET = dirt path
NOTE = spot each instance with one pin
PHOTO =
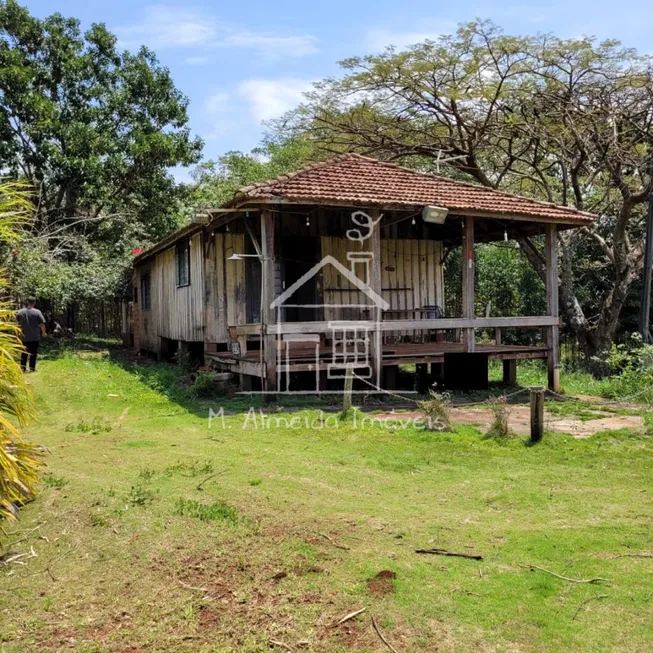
(520, 420)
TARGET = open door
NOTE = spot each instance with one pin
(298, 256)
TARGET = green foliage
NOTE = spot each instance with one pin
(190, 469)
(499, 429)
(217, 181)
(54, 481)
(504, 281)
(95, 130)
(19, 460)
(94, 427)
(437, 411)
(217, 511)
(140, 495)
(205, 386)
(629, 368)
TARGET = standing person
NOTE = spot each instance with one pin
(32, 325)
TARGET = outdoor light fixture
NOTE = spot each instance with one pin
(434, 214)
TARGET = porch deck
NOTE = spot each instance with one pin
(402, 353)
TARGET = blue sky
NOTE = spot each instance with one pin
(243, 62)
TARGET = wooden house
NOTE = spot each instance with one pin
(340, 265)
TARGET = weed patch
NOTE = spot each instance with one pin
(94, 427)
(189, 469)
(499, 429)
(54, 481)
(139, 496)
(206, 512)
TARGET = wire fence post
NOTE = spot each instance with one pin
(537, 413)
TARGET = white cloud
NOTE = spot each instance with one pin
(271, 98)
(379, 39)
(196, 61)
(217, 102)
(166, 26)
(271, 45)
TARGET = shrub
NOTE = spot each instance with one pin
(499, 429)
(205, 386)
(437, 410)
(630, 366)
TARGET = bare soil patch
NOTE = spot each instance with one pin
(381, 584)
(520, 420)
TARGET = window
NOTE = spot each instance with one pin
(183, 263)
(146, 292)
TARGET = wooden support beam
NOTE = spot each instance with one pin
(390, 377)
(553, 332)
(422, 378)
(267, 297)
(468, 281)
(510, 372)
(375, 285)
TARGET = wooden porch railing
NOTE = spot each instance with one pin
(405, 325)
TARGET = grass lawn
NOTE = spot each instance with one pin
(154, 532)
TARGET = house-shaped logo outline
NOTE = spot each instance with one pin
(376, 300)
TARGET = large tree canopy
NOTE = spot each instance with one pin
(569, 121)
(95, 131)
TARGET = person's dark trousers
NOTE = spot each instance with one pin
(31, 350)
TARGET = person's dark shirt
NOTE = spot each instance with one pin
(30, 321)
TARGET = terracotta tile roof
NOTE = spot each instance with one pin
(362, 181)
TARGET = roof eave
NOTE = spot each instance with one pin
(582, 219)
(169, 241)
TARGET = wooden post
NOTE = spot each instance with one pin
(497, 335)
(468, 281)
(421, 371)
(537, 413)
(390, 376)
(268, 339)
(553, 332)
(375, 285)
(510, 372)
(349, 385)
(245, 382)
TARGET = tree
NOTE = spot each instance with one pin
(19, 460)
(94, 131)
(217, 181)
(568, 121)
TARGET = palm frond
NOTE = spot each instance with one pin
(19, 460)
